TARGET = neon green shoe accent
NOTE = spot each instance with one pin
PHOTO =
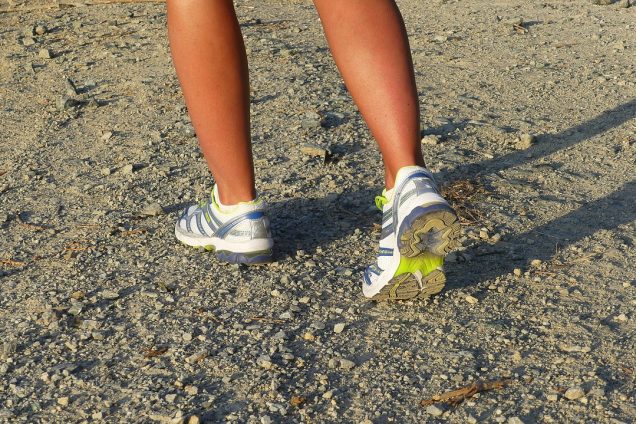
(381, 200)
(425, 263)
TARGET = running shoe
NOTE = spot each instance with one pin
(419, 228)
(238, 233)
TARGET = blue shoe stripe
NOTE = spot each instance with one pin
(227, 227)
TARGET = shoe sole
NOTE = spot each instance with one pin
(411, 286)
(433, 229)
(248, 258)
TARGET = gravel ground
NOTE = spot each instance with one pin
(528, 110)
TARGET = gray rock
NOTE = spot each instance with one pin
(152, 209)
(434, 410)
(346, 364)
(339, 328)
(574, 393)
(28, 41)
(525, 141)
(45, 54)
(110, 294)
(315, 150)
(265, 361)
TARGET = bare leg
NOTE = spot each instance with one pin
(209, 56)
(369, 44)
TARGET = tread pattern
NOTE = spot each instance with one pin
(437, 232)
(411, 286)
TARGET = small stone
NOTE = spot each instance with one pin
(97, 415)
(45, 54)
(339, 328)
(152, 209)
(552, 397)
(514, 420)
(110, 294)
(128, 169)
(40, 30)
(265, 361)
(63, 401)
(603, 2)
(106, 135)
(525, 141)
(28, 41)
(431, 140)
(536, 263)
(194, 420)
(625, 4)
(311, 149)
(304, 300)
(574, 393)
(65, 103)
(346, 364)
(266, 419)
(309, 336)
(328, 394)
(309, 123)
(516, 356)
(434, 410)
(621, 318)
(75, 309)
(275, 293)
(517, 272)
(191, 390)
(106, 171)
(471, 299)
(171, 398)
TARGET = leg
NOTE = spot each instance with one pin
(209, 56)
(369, 44)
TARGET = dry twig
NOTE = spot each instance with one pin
(456, 397)
(10, 263)
(151, 353)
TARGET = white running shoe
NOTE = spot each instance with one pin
(238, 233)
(419, 228)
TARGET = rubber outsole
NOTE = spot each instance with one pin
(252, 258)
(433, 229)
(412, 286)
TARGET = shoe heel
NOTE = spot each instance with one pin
(433, 229)
(251, 258)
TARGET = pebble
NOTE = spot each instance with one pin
(339, 328)
(265, 361)
(552, 397)
(517, 272)
(625, 4)
(574, 393)
(152, 209)
(346, 364)
(194, 420)
(28, 41)
(621, 318)
(191, 390)
(110, 294)
(525, 141)
(171, 398)
(40, 30)
(315, 150)
(128, 169)
(106, 135)
(45, 54)
(514, 420)
(431, 140)
(471, 299)
(536, 263)
(434, 410)
(266, 419)
(65, 103)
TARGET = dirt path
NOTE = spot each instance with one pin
(103, 316)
